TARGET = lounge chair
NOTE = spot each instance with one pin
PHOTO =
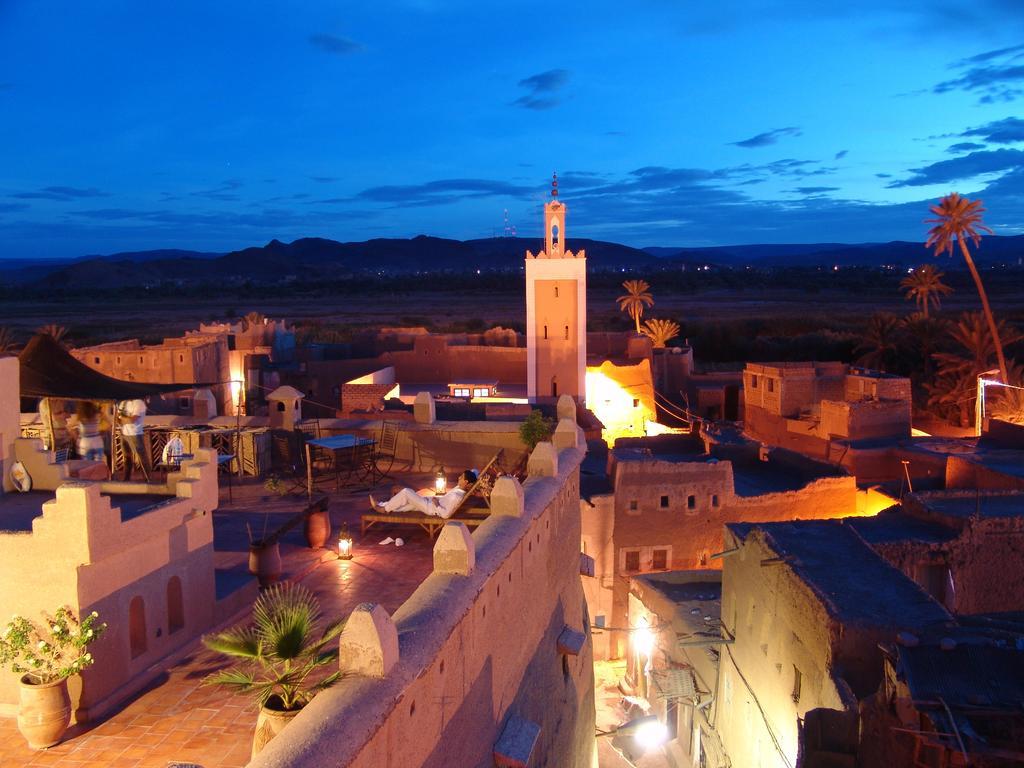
(466, 511)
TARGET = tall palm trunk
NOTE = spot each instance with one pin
(636, 318)
(989, 318)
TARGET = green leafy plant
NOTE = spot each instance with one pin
(274, 485)
(535, 429)
(280, 650)
(57, 650)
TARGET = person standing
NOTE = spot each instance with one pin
(133, 421)
(90, 442)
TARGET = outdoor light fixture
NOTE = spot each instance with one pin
(643, 638)
(440, 483)
(636, 737)
(345, 544)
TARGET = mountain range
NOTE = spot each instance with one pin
(319, 258)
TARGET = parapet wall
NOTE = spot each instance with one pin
(481, 648)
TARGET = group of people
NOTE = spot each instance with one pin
(87, 427)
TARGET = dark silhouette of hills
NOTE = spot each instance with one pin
(314, 258)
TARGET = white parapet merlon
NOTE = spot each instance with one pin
(507, 497)
(369, 643)
(423, 409)
(454, 550)
(567, 435)
(566, 408)
(543, 462)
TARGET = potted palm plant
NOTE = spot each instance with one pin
(281, 657)
(46, 657)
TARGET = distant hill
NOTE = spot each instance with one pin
(994, 250)
(314, 258)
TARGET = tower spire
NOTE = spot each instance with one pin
(554, 185)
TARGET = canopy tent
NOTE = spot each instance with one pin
(48, 370)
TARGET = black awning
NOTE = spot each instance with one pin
(49, 370)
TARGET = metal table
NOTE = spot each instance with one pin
(357, 450)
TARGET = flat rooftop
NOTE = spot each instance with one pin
(964, 504)
(852, 581)
(894, 525)
(696, 594)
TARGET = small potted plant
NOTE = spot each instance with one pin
(46, 657)
(280, 656)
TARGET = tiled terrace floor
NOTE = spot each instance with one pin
(178, 719)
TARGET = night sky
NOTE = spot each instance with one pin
(215, 125)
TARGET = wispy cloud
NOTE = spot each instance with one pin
(767, 138)
(226, 191)
(339, 46)
(841, 154)
(996, 76)
(815, 190)
(543, 89)
(964, 146)
(965, 167)
(1006, 131)
(324, 179)
(442, 192)
(59, 193)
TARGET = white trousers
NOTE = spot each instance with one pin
(407, 500)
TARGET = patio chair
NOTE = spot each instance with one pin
(288, 459)
(385, 450)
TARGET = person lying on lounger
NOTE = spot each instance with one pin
(408, 500)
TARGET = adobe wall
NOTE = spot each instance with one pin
(10, 417)
(977, 558)
(473, 651)
(597, 522)
(80, 554)
(434, 360)
(962, 472)
(778, 624)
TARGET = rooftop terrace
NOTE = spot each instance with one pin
(178, 719)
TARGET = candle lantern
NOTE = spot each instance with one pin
(440, 483)
(345, 544)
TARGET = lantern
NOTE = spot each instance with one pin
(345, 544)
(440, 483)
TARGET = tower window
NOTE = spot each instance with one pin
(567, 333)
(691, 502)
(545, 331)
(664, 502)
(556, 291)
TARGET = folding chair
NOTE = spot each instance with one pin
(384, 452)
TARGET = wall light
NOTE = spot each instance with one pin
(643, 638)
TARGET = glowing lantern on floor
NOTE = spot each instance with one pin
(440, 483)
(345, 544)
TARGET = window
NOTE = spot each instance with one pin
(567, 333)
(556, 291)
(280, 406)
(714, 500)
(691, 502)
(545, 331)
(185, 403)
(140, 359)
(462, 391)
(798, 680)
(96, 360)
(636, 402)
(181, 358)
(480, 392)
(664, 502)
(771, 385)
(632, 560)
(753, 381)
(633, 505)
(659, 559)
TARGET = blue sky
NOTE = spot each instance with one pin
(218, 125)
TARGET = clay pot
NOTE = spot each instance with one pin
(44, 713)
(271, 721)
(317, 528)
(265, 562)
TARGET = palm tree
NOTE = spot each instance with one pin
(252, 319)
(660, 331)
(924, 285)
(58, 332)
(957, 218)
(974, 346)
(8, 346)
(1007, 403)
(280, 649)
(636, 297)
(926, 334)
(881, 343)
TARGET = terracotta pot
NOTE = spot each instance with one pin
(265, 562)
(44, 713)
(271, 721)
(317, 528)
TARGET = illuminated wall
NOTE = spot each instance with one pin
(622, 397)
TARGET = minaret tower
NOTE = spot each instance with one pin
(556, 311)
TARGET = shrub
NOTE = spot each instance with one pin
(535, 429)
(53, 653)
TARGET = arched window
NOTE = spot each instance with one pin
(554, 234)
(556, 296)
(137, 626)
(554, 386)
(567, 333)
(175, 606)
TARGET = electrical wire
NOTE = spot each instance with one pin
(764, 715)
